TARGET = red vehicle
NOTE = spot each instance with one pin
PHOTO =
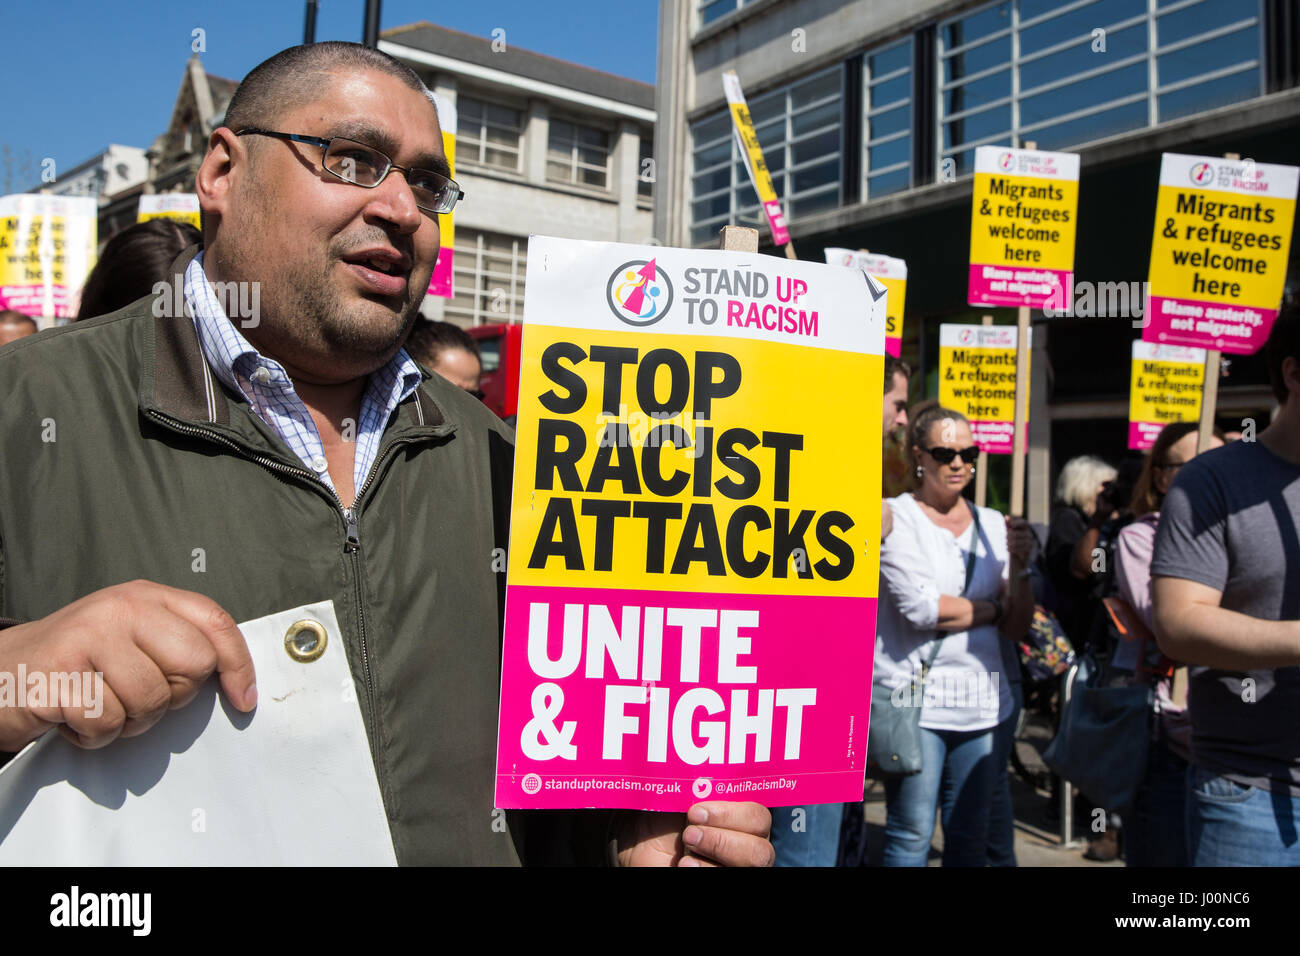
(498, 346)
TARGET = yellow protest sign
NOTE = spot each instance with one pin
(1219, 254)
(47, 248)
(1165, 387)
(977, 377)
(752, 155)
(1023, 211)
(442, 282)
(182, 207)
(892, 274)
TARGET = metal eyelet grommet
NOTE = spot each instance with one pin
(305, 641)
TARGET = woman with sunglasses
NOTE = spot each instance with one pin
(951, 590)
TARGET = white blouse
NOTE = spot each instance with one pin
(965, 689)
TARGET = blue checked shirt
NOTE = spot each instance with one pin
(269, 391)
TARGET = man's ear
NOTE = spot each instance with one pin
(1291, 376)
(225, 159)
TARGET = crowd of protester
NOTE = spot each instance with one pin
(1177, 570)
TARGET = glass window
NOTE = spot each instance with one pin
(645, 168)
(973, 60)
(1081, 58)
(1072, 97)
(1080, 21)
(886, 183)
(1219, 52)
(1094, 126)
(798, 127)
(1188, 22)
(488, 134)
(887, 132)
(577, 154)
(955, 33)
(1208, 96)
(489, 278)
(1075, 84)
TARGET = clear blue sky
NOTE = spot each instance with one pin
(80, 74)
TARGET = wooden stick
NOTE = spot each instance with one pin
(1021, 416)
(1210, 384)
(738, 239)
(1018, 450)
(982, 463)
(789, 251)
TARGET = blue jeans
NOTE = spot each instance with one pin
(1155, 828)
(807, 836)
(958, 771)
(1002, 818)
(1229, 824)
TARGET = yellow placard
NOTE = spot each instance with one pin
(1023, 221)
(761, 471)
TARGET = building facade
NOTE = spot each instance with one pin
(869, 113)
(543, 147)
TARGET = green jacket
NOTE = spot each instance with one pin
(123, 454)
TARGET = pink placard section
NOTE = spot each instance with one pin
(995, 437)
(1142, 435)
(776, 219)
(893, 346)
(654, 700)
(1018, 285)
(1241, 330)
(440, 281)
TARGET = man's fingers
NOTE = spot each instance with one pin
(746, 817)
(730, 834)
(86, 729)
(728, 847)
(234, 664)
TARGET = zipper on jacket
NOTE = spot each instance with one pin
(351, 545)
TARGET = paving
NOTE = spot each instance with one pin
(1038, 829)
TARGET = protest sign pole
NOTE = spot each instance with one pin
(1210, 384)
(982, 463)
(1018, 450)
(739, 239)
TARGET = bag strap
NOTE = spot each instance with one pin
(970, 573)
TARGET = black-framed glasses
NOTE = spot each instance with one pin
(1171, 465)
(944, 456)
(361, 165)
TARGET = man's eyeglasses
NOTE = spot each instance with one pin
(362, 165)
(945, 456)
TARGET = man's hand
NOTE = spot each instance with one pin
(155, 646)
(713, 833)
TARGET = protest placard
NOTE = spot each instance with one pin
(182, 207)
(977, 377)
(1165, 387)
(1023, 211)
(47, 249)
(892, 274)
(694, 539)
(751, 153)
(1219, 254)
(442, 281)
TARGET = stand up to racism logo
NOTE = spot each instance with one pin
(639, 292)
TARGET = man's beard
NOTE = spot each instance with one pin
(312, 307)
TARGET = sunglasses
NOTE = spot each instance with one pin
(944, 456)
